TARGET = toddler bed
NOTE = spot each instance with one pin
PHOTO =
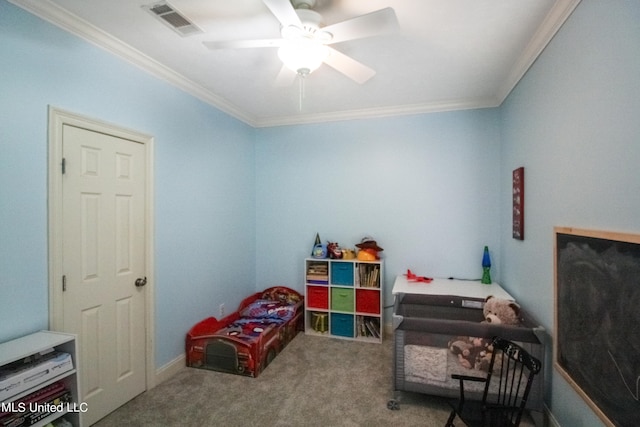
(246, 341)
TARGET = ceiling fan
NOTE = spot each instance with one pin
(304, 45)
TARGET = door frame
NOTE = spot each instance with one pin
(57, 119)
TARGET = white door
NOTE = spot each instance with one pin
(103, 244)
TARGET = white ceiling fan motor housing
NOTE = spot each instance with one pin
(305, 50)
(303, 4)
(311, 28)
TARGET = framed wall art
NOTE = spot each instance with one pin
(597, 318)
(518, 203)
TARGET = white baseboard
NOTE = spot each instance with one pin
(165, 372)
(551, 420)
(388, 330)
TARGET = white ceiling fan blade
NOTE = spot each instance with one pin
(382, 21)
(286, 77)
(348, 66)
(240, 44)
(284, 12)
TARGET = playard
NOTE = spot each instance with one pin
(446, 326)
(246, 341)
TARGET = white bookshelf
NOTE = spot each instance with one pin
(40, 343)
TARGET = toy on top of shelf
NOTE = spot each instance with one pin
(348, 253)
(335, 252)
(319, 250)
(368, 249)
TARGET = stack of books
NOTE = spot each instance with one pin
(369, 275)
(52, 399)
(318, 273)
(368, 326)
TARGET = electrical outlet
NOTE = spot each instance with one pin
(222, 310)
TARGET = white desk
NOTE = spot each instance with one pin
(462, 288)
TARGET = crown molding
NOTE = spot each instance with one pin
(73, 24)
(556, 17)
(52, 13)
(376, 113)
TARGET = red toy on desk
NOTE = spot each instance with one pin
(413, 278)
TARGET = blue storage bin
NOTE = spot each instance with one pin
(342, 325)
(342, 273)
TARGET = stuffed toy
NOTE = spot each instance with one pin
(496, 311)
(459, 345)
(467, 349)
(475, 352)
(483, 360)
(501, 311)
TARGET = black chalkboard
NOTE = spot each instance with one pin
(597, 318)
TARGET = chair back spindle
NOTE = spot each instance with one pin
(507, 386)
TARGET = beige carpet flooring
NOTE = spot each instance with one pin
(314, 381)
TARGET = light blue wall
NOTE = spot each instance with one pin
(432, 189)
(425, 187)
(204, 178)
(573, 123)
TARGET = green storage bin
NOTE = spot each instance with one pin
(342, 299)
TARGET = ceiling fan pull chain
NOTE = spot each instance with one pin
(301, 90)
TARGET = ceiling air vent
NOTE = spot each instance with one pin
(169, 16)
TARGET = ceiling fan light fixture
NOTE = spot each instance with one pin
(304, 57)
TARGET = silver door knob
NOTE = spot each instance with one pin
(140, 282)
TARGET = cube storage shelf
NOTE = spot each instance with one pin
(40, 385)
(343, 299)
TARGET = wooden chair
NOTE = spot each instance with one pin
(506, 389)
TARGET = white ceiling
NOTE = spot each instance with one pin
(447, 54)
